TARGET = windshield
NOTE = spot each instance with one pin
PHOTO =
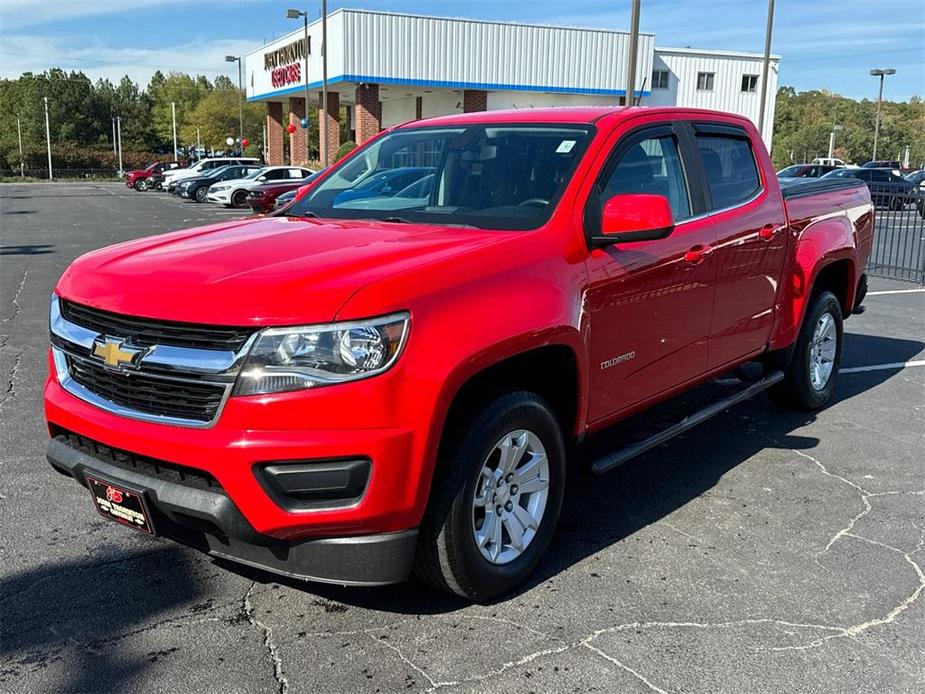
(491, 176)
(256, 172)
(791, 171)
(840, 173)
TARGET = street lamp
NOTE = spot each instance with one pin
(237, 59)
(323, 124)
(881, 73)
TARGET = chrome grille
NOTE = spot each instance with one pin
(157, 396)
(148, 331)
(181, 373)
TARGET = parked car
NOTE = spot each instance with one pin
(197, 188)
(916, 177)
(262, 198)
(171, 178)
(343, 394)
(891, 164)
(140, 179)
(384, 183)
(806, 171)
(830, 161)
(234, 193)
(887, 188)
(285, 199)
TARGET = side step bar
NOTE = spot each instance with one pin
(611, 460)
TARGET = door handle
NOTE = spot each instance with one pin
(696, 255)
(767, 232)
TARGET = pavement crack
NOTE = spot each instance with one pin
(282, 684)
(16, 294)
(410, 663)
(10, 391)
(635, 673)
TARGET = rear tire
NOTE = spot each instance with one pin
(468, 540)
(810, 376)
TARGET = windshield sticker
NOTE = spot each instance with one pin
(565, 146)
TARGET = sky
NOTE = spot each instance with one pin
(824, 44)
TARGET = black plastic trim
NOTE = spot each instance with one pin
(799, 187)
(212, 523)
(302, 485)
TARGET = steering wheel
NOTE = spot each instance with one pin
(534, 202)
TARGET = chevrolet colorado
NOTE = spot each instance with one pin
(354, 390)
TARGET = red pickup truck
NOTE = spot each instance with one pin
(378, 382)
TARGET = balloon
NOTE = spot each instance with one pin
(229, 141)
(304, 123)
(291, 128)
(245, 142)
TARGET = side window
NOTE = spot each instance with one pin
(294, 174)
(729, 163)
(273, 174)
(651, 166)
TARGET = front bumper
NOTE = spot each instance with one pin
(205, 517)
(222, 198)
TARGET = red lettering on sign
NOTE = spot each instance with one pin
(288, 74)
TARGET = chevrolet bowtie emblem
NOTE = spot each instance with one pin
(114, 352)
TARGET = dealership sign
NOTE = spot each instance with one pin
(284, 63)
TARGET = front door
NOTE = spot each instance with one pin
(650, 301)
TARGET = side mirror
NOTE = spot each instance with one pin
(634, 217)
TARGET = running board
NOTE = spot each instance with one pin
(611, 460)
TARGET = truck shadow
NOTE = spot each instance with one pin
(63, 621)
(602, 510)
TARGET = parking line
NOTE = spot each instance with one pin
(896, 291)
(883, 367)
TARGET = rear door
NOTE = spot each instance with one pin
(747, 214)
(649, 302)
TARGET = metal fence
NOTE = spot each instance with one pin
(60, 173)
(899, 235)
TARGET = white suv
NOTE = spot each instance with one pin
(234, 193)
(201, 166)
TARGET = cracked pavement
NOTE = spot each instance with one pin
(766, 551)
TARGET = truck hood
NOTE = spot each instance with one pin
(269, 271)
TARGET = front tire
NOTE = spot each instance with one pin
(239, 199)
(809, 378)
(201, 194)
(496, 498)
(141, 185)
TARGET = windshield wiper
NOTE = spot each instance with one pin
(307, 213)
(397, 220)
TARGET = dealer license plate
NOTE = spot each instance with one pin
(120, 504)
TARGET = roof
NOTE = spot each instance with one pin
(564, 114)
(714, 54)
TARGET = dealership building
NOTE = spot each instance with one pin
(388, 68)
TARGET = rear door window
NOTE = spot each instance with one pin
(731, 171)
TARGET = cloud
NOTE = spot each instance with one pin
(18, 14)
(36, 53)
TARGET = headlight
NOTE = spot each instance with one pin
(286, 359)
(184, 184)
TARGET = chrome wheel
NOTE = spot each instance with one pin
(822, 351)
(510, 496)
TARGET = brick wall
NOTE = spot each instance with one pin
(367, 112)
(274, 134)
(474, 100)
(333, 124)
(297, 139)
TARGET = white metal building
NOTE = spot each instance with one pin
(389, 68)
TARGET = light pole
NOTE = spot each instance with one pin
(881, 73)
(22, 161)
(322, 125)
(767, 66)
(237, 59)
(48, 139)
(634, 48)
(119, 131)
(114, 152)
(173, 114)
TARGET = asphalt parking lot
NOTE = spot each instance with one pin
(766, 551)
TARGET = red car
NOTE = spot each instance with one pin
(140, 179)
(262, 198)
(364, 386)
